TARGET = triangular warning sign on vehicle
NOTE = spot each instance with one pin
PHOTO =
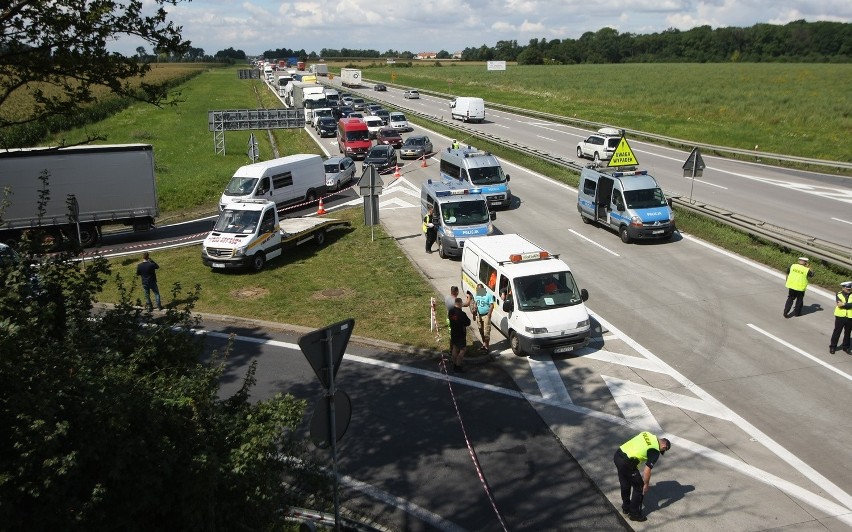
(623, 155)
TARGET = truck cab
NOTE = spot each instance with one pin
(461, 212)
(245, 235)
(629, 202)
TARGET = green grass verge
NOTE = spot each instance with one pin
(350, 276)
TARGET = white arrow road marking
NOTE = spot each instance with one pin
(395, 203)
(622, 389)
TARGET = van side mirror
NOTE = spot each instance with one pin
(508, 177)
(584, 294)
(669, 202)
(493, 216)
(508, 305)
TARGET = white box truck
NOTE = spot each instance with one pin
(320, 69)
(467, 109)
(112, 184)
(350, 77)
(284, 181)
(305, 95)
(249, 233)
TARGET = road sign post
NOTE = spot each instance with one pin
(324, 350)
(693, 167)
(370, 187)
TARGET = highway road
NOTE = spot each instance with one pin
(811, 203)
(689, 342)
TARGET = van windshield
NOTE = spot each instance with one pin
(645, 199)
(546, 291)
(360, 134)
(240, 186)
(488, 175)
(233, 221)
(465, 213)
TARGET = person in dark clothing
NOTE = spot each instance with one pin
(645, 447)
(147, 271)
(459, 322)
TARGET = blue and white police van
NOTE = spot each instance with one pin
(627, 201)
(480, 169)
(461, 212)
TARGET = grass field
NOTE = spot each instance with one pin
(794, 109)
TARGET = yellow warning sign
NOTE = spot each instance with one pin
(623, 155)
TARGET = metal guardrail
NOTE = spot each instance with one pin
(825, 251)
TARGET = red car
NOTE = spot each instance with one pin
(389, 136)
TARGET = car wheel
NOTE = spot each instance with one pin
(88, 235)
(319, 236)
(441, 252)
(258, 261)
(597, 158)
(311, 196)
(625, 236)
(515, 344)
(585, 219)
(579, 153)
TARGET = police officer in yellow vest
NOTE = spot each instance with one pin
(430, 229)
(797, 283)
(842, 319)
(645, 447)
(456, 144)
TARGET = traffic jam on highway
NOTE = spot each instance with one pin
(539, 306)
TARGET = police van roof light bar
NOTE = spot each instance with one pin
(634, 172)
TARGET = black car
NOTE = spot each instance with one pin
(343, 111)
(382, 157)
(326, 126)
(415, 147)
(384, 114)
(379, 87)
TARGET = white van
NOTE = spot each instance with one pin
(374, 124)
(539, 307)
(285, 180)
(467, 109)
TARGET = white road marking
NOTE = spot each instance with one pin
(842, 221)
(801, 352)
(547, 138)
(590, 241)
(549, 380)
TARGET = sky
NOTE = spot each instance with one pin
(255, 26)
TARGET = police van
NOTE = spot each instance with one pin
(627, 201)
(478, 169)
(461, 212)
(540, 309)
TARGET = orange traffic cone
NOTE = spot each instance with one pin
(321, 209)
(396, 173)
(423, 163)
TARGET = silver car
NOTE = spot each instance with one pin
(338, 171)
(416, 147)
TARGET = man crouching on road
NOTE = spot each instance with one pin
(645, 447)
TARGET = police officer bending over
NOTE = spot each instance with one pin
(645, 447)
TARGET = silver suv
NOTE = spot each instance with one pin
(411, 94)
(600, 146)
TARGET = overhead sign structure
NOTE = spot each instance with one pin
(623, 155)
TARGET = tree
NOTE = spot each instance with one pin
(53, 54)
(111, 421)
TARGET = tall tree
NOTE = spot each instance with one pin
(53, 53)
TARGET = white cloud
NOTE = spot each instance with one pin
(420, 25)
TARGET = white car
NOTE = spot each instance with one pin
(322, 111)
(601, 146)
(398, 121)
(411, 94)
(374, 124)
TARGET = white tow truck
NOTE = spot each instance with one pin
(248, 233)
